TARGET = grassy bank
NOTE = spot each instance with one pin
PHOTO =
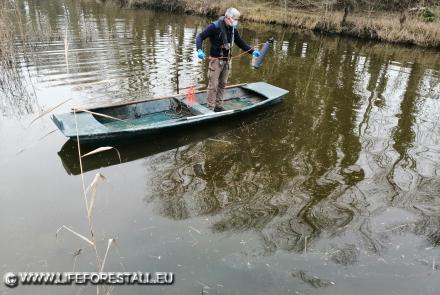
(406, 25)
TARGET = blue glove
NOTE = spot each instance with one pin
(256, 53)
(201, 54)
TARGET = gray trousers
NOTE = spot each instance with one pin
(218, 76)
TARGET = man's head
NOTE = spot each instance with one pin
(232, 16)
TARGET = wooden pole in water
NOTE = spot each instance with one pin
(177, 81)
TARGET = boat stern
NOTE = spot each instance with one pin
(269, 91)
(83, 125)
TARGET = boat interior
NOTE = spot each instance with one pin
(175, 107)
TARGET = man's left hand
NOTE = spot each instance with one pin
(256, 53)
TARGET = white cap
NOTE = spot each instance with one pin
(232, 12)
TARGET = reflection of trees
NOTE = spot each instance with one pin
(404, 134)
(287, 186)
(413, 190)
(292, 175)
(376, 86)
(119, 53)
(299, 179)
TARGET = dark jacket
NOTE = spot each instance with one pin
(214, 32)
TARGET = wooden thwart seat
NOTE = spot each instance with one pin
(196, 108)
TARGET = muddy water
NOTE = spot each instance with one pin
(334, 191)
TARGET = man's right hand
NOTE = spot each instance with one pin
(201, 54)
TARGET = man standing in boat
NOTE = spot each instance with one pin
(222, 34)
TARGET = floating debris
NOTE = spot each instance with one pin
(313, 281)
(432, 264)
(237, 261)
(195, 229)
(220, 140)
(347, 255)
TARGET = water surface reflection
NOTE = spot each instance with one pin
(341, 179)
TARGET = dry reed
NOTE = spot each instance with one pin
(89, 195)
(17, 49)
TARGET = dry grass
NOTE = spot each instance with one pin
(15, 32)
(10, 76)
(381, 26)
(6, 30)
(90, 195)
(378, 26)
(17, 49)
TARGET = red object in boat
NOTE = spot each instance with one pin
(190, 95)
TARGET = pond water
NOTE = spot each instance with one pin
(334, 191)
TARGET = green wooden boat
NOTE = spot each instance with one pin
(149, 116)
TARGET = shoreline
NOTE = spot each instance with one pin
(380, 26)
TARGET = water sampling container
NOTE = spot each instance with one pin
(258, 61)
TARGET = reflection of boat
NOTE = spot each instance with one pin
(161, 114)
(141, 147)
(129, 151)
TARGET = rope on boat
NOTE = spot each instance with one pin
(235, 56)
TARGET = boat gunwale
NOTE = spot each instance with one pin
(177, 121)
(121, 104)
